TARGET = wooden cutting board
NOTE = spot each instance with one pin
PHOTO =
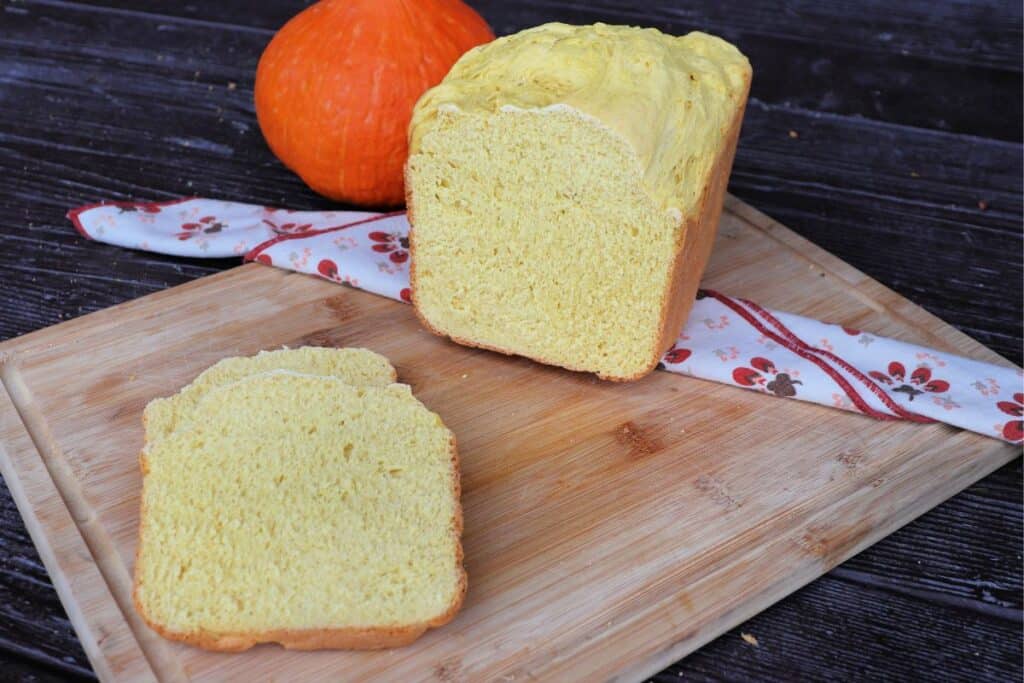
(610, 529)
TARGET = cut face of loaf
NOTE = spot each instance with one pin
(359, 367)
(301, 510)
(565, 185)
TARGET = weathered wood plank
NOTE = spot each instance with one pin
(863, 59)
(936, 217)
(33, 626)
(962, 31)
(851, 61)
(110, 104)
(965, 554)
(29, 670)
(886, 637)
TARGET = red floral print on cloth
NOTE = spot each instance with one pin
(406, 295)
(1014, 429)
(920, 380)
(394, 244)
(676, 355)
(144, 207)
(207, 225)
(287, 228)
(764, 374)
(328, 269)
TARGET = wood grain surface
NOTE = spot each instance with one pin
(888, 133)
(609, 528)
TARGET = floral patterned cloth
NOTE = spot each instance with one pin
(727, 340)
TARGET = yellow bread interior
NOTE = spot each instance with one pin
(551, 178)
(295, 502)
(570, 276)
(360, 367)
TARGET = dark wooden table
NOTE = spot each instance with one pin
(888, 132)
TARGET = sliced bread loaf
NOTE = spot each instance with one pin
(564, 188)
(301, 510)
(359, 367)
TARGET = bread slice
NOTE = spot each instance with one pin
(301, 510)
(359, 367)
(564, 188)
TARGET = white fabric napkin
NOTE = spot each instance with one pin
(726, 340)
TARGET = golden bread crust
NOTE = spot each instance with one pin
(698, 239)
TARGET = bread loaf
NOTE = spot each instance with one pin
(301, 510)
(564, 188)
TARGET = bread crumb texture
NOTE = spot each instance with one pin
(551, 177)
(285, 502)
(359, 367)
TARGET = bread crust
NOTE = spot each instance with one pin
(345, 638)
(699, 234)
(692, 255)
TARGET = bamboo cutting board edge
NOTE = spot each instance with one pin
(958, 481)
(66, 543)
(103, 631)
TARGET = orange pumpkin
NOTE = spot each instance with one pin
(336, 86)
